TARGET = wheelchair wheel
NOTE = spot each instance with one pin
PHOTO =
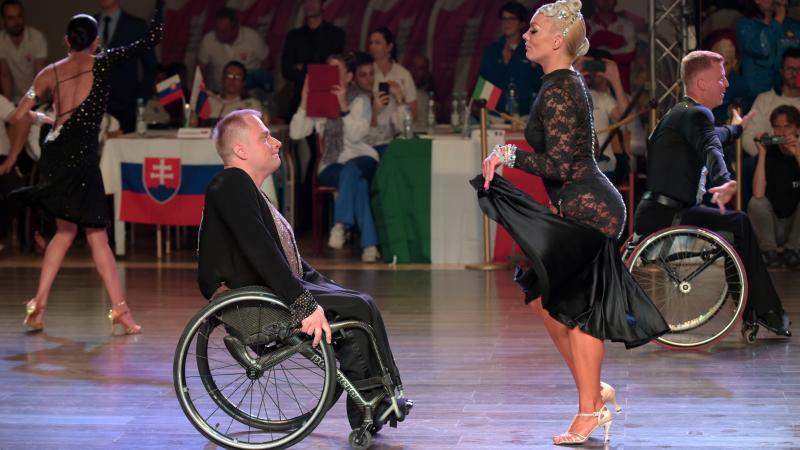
(695, 279)
(245, 380)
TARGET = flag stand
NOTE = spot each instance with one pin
(487, 264)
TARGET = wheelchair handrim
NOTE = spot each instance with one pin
(181, 389)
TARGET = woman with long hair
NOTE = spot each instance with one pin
(70, 186)
(576, 283)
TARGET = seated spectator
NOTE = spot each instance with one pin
(10, 176)
(347, 162)
(787, 94)
(612, 31)
(776, 190)
(426, 90)
(609, 101)
(230, 98)
(383, 49)
(504, 62)
(763, 36)
(230, 41)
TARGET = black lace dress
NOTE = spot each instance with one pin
(575, 264)
(70, 185)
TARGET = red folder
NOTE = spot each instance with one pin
(321, 80)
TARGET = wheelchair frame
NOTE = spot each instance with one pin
(278, 333)
(633, 249)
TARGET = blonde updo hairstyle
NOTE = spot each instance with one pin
(568, 20)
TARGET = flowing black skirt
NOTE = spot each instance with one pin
(575, 269)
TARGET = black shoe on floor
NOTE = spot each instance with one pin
(791, 257)
(778, 324)
(771, 258)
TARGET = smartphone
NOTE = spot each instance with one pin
(383, 87)
(594, 65)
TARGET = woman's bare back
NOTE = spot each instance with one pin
(70, 81)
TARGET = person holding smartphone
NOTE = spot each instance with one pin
(776, 189)
(394, 90)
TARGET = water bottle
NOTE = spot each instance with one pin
(431, 113)
(141, 125)
(512, 106)
(455, 115)
(408, 125)
(465, 125)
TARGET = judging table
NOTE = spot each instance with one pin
(160, 146)
(426, 211)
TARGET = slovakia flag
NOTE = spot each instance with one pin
(170, 90)
(164, 191)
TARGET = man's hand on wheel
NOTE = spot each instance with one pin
(315, 324)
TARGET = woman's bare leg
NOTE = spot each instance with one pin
(559, 333)
(105, 263)
(53, 257)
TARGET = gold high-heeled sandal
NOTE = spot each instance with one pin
(33, 316)
(117, 318)
(604, 419)
(609, 394)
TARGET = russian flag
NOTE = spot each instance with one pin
(199, 98)
(170, 90)
(164, 191)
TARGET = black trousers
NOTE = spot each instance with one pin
(355, 353)
(9, 207)
(651, 216)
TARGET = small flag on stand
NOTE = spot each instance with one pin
(199, 98)
(170, 90)
(484, 90)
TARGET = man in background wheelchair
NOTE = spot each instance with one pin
(245, 241)
(684, 148)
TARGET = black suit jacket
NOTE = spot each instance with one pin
(126, 83)
(683, 142)
(239, 243)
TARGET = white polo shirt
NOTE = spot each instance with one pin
(220, 107)
(249, 49)
(21, 59)
(401, 76)
(6, 112)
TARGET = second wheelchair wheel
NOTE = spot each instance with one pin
(243, 386)
(695, 279)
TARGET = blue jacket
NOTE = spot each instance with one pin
(526, 78)
(762, 47)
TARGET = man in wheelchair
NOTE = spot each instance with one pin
(245, 241)
(684, 147)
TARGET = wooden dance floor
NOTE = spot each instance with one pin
(479, 365)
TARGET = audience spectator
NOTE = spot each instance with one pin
(383, 49)
(312, 43)
(348, 162)
(776, 190)
(230, 41)
(609, 101)
(133, 78)
(737, 94)
(23, 51)
(787, 94)
(423, 80)
(10, 175)
(230, 98)
(763, 36)
(504, 62)
(610, 30)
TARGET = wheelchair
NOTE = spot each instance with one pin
(696, 280)
(247, 379)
